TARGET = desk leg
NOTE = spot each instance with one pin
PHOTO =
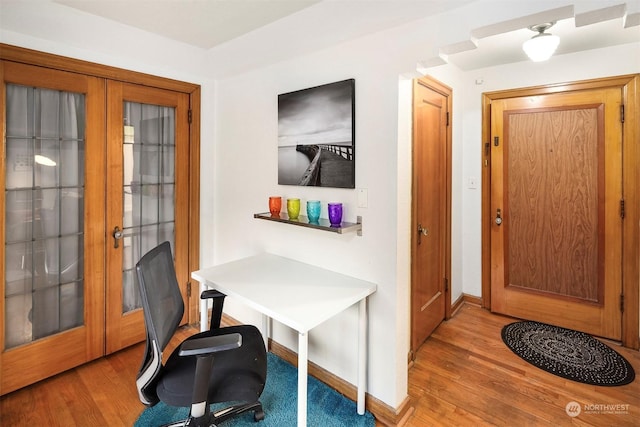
(303, 345)
(266, 330)
(362, 354)
(204, 310)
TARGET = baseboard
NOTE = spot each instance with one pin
(383, 413)
(471, 299)
(465, 299)
(457, 304)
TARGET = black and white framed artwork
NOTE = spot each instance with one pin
(316, 136)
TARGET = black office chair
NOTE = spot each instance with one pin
(220, 365)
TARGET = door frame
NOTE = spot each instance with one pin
(47, 60)
(630, 88)
(447, 92)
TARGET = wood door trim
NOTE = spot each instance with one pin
(630, 87)
(631, 223)
(63, 63)
(193, 249)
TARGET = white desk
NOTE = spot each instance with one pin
(296, 294)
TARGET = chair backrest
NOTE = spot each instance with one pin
(163, 310)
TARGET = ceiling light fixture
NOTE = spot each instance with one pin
(541, 46)
(43, 160)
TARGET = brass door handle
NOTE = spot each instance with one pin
(422, 232)
(117, 235)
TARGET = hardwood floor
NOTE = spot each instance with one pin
(101, 393)
(463, 376)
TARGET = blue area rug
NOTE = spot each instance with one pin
(325, 406)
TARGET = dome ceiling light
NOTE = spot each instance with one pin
(541, 46)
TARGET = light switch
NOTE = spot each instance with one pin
(363, 197)
(472, 182)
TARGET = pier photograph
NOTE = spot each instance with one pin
(316, 136)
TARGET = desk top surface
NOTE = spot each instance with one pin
(296, 294)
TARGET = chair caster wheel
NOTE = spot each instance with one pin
(258, 415)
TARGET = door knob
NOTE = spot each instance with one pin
(117, 235)
(498, 217)
(422, 232)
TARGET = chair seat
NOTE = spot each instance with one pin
(237, 375)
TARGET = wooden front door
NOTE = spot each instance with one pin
(556, 192)
(430, 261)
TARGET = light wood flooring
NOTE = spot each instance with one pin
(463, 376)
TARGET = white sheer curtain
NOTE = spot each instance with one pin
(45, 205)
(149, 182)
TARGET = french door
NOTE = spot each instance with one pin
(146, 199)
(95, 173)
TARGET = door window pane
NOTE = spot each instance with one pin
(44, 200)
(149, 180)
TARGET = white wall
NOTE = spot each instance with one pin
(246, 135)
(245, 164)
(239, 154)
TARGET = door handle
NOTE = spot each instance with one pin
(117, 235)
(498, 217)
(422, 232)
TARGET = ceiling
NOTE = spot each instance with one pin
(204, 24)
(502, 43)
(209, 24)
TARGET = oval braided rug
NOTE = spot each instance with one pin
(567, 353)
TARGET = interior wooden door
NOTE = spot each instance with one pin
(147, 196)
(53, 222)
(556, 191)
(431, 194)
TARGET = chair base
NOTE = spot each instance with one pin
(211, 420)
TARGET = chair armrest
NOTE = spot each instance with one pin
(210, 345)
(217, 306)
(211, 293)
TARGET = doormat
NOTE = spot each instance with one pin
(569, 354)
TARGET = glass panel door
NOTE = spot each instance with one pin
(53, 285)
(147, 143)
